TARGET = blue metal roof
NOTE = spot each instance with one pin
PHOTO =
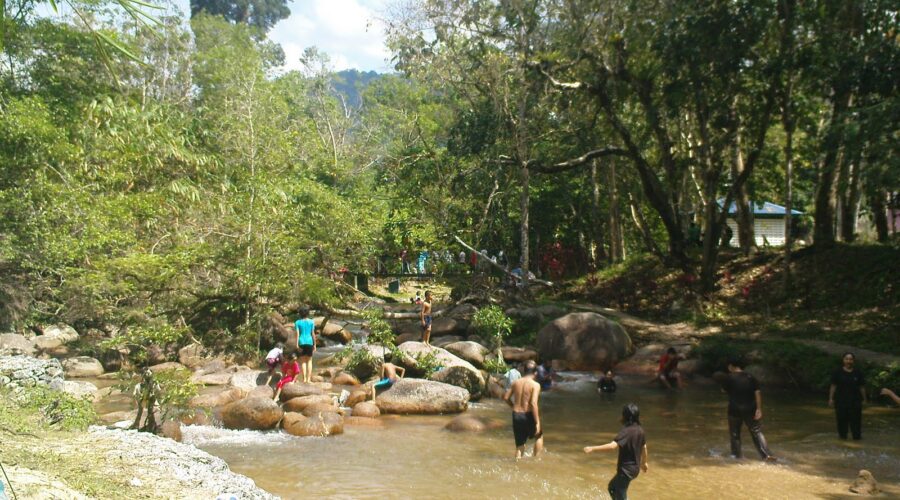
(764, 209)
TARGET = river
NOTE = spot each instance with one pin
(414, 457)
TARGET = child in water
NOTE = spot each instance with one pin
(289, 369)
(632, 446)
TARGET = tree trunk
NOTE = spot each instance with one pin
(639, 222)
(616, 243)
(598, 253)
(788, 121)
(879, 213)
(826, 190)
(851, 199)
(524, 180)
(744, 215)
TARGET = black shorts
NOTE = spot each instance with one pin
(524, 427)
(305, 349)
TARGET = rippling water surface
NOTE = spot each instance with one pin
(413, 456)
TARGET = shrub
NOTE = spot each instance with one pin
(491, 322)
(494, 365)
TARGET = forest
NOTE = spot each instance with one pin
(163, 171)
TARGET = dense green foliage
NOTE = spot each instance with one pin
(494, 324)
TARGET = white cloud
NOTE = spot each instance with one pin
(349, 31)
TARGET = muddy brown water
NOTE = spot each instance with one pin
(414, 457)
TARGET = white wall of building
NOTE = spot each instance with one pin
(765, 230)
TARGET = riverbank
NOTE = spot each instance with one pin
(48, 459)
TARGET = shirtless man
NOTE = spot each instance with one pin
(425, 316)
(523, 396)
(388, 377)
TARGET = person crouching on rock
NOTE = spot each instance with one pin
(275, 356)
(632, 446)
(389, 376)
(667, 372)
(289, 370)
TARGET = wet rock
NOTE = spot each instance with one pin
(82, 366)
(321, 424)
(252, 413)
(320, 407)
(156, 355)
(865, 484)
(336, 333)
(472, 352)
(291, 421)
(118, 416)
(471, 423)
(299, 389)
(584, 341)
(408, 337)
(13, 344)
(221, 398)
(518, 354)
(358, 396)
(192, 356)
(424, 397)
(301, 403)
(262, 391)
(496, 386)
(171, 429)
(345, 378)
(366, 409)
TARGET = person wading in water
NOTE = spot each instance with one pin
(522, 396)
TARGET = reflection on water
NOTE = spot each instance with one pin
(686, 434)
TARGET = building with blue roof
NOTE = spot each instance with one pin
(768, 222)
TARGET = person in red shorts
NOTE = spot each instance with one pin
(289, 369)
(667, 372)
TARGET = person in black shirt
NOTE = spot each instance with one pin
(847, 395)
(744, 408)
(632, 446)
(607, 383)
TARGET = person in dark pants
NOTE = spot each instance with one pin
(632, 446)
(847, 395)
(744, 408)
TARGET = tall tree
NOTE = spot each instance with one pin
(261, 14)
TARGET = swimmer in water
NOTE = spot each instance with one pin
(523, 396)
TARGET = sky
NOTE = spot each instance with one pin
(349, 31)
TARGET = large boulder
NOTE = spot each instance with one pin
(454, 371)
(446, 340)
(247, 380)
(449, 326)
(316, 408)
(211, 378)
(13, 344)
(518, 354)
(168, 365)
(171, 429)
(366, 409)
(262, 391)
(320, 424)
(344, 378)
(357, 396)
(252, 413)
(55, 337)
(82, 366)
(220, 398)
(472, 352)
(423, 397)
(336, 332)
(303, 402)
(767, 375)
(299, 389)
(584, 341)
(74, 388)
(192, 355)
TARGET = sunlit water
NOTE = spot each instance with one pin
(413, 456)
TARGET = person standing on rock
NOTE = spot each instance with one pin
(425, 317)
(744, 408)
(523, 396)
(632, 446)
(847, 395)
(289, 370)
(306, 343)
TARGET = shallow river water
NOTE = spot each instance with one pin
(414, 457)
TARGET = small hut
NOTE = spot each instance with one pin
(768, 223)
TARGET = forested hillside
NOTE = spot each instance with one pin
(169, 174)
